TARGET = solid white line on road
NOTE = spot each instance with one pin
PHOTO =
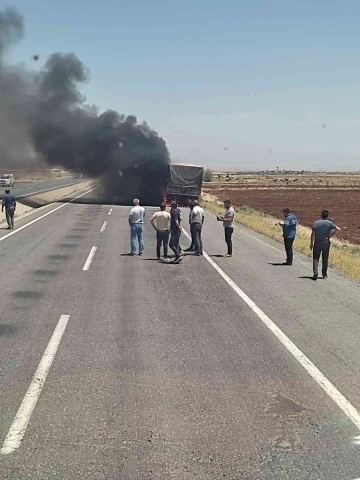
(102, 229)
(341, 401)
(18, 428)
(89, 259)
(110, 211)
(45, 215)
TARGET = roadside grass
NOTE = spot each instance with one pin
(344, 256)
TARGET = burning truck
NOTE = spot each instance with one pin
(184, 183)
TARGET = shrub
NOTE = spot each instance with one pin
(208, 175)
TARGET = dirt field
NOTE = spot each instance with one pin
(340, 196)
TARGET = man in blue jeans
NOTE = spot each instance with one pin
(136, 222)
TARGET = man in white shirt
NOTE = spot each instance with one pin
(228, 223)
(136, 222)
(161, 224)
(197, 220)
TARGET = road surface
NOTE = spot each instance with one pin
(155, 371)
(29, 188)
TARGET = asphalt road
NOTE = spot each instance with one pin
(163, 371)
(29, 188)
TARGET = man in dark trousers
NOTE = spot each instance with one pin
(192, 246)
(289, 234)
(175, 230)
(323, 230)
(228, 223)
(9, 203)
(197, 221)
(161, 224)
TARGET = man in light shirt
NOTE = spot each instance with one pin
(197, 221)
(228, 223)
(136, 222)
(161, 224)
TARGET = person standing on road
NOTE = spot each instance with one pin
(228, 223)
(197, 221)
(289, 234)
(136, 222)
(323, 230)
(161, 223)
(175, 229)
(192, 246)
(9, 203)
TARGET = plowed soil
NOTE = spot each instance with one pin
(342, 202)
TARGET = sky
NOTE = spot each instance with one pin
(229, 84)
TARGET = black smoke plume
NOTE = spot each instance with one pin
(45, 113)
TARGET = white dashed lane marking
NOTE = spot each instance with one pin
(89, 259)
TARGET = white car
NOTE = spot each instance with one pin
(7, 180)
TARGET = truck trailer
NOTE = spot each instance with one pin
(184, 183)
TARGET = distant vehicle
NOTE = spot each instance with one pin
(184, 183)
(7, 180)
(78, 175)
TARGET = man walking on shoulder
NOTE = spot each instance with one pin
(323, 230)
(175, 229)
(160, 222)
(136, 222)
(289, 234)
(197, 221)
(9, 203)
(228, 223)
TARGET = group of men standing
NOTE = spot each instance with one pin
(168, 232)
(322, 232)
(168, 229)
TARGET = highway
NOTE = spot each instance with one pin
(30, 188)
(118, 367)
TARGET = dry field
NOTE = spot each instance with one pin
(306, 195)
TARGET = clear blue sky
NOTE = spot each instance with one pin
(231, 83)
